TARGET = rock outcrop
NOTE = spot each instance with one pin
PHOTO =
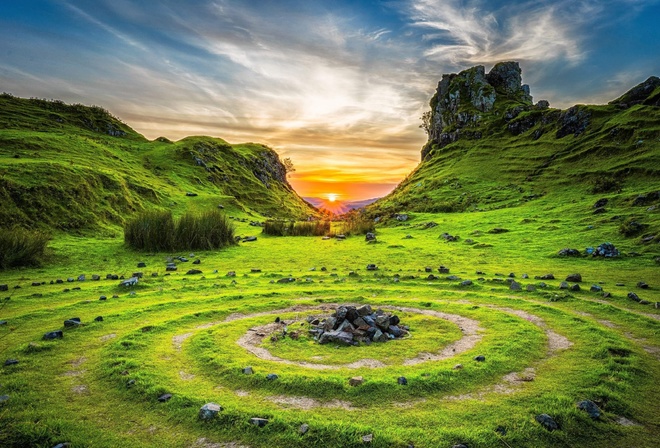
(462, 99)
(646, 93)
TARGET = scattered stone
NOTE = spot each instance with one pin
(81, 278)
(590, 408)
(642, 285)
(563, 285)
(370, 237)
(36, 283)
(271, 377)
(480, 358)
(3, 322)
(525, 276)
(248, 371)
(449, 238)
(129, 282)
(11, 362)
(4, 398)
(567, 252)
(198, 261)
(596, 288)
(531, 288)
(103, 298)
(165, 397)
(515, 286)
(356, 381)
(286, 280)
(303, 429)
(209, 411)
(575, 287)
(606, 250)
(57, 334)
(171, 268)
(74, 322)
(255, 271)
(231, 274)
(260, 422)
(466, 283)
(443, 270)
(368, 438)
(98, 319)
(4, 287)
(372, 267)
(498, 230)
(249, 239)
(633, 296)
(545, 277)
(458, 367)
(402, 380)
(193, 272)
(191, 194)
(547, 422)
(574, 278)
(142, 264)
(601, 203)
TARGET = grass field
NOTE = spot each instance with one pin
(545, 350)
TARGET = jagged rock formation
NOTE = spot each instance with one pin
(462, 99)
(640, 94)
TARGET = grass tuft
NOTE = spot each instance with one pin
(157, 231)
(21, 247)
(293, 228)
(356, 223)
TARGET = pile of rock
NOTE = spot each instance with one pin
(350, 325)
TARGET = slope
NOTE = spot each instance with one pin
(77, 167)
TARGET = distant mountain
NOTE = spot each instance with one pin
(339, 207)
(76, 167)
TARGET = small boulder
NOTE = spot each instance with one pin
(129, 282)
(547, 422)
(286, 280)
(193, 272)
(11, 362)
(515, 286)
(4, 398)
(356, 381)
(633, 296)
(402, 380)
(209, 411)
(142, 264)
(466, 283)
(480, 358)
(98, 319)
(575, 278)
(165, 397)
(303, 429)
(590, 408)
(272, 377)
(642, 285)
(74, 322)
(575, 287)
(260, 422)
(57, 334)
(368, 438)
(372, 267)
(370, 237)
(247, 370)
(596, 288)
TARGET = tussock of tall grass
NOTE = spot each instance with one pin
(300, 228)
(21, 247)
(157, 231)
(356, 223)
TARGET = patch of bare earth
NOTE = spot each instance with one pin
(107, 337)
(607, 323)
(203, 442)
(307, 403)
(80, 389)
(186, 376)
(625, 422)
(251, 341)
(178, 339)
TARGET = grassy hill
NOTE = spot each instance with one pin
(513, 153)
(70, 167)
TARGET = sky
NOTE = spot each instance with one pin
(337, 86)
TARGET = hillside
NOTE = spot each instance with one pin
(72, 167)
(491, 147)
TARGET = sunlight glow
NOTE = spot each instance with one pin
(332, 197)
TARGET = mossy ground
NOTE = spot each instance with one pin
(172, 336)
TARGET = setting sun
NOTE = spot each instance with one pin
(332, 197)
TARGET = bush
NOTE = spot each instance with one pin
(301, 228)
(605, 185)
(356, 223)
(157, 231)
(20, 247)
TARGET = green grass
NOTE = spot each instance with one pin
(20, 247)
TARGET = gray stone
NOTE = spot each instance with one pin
(11, 362)
(303, 429)
(272, 377)
(590, 408)
(74, 322)
(260, 422)
(338, 337)
(563, 285)
(247, 370)
(165, 397)
(81, 278)
(633, 296)
(4, 287)
(193, 272)
(209, 411)
(402, 380)
(515, 286)
(372, 267)
(142, 264)
(370, 237)
(364, 310)
(249, 239)
(547, 422)
(480, 358)
(103, 298)
(575, 287)
(368, 438)
(286, 280)
(596, 288)
(575, 278)
(642, 285)
(57, 334)
(4, 398)
(129, 282)
(466, 283)
(98, 319)
(443, 270)
(3, 322)
(231, 274)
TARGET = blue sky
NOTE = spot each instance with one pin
(338, 86)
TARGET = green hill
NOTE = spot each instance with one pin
(76, 167)
(490, 147)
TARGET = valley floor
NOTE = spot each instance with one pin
(546, 349)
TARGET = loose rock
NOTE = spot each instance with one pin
(547, 422)
(260, 422)
(209, 411)
(165, 397)
(574, 278)
(57, 334)
(590, 408)
(356, 381)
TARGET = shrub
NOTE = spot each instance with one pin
(157, 231)
(21, 247)
(356, 223)
(606, 185)
(151, 230)
(291, 228)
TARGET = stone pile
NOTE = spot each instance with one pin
(350, 325)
